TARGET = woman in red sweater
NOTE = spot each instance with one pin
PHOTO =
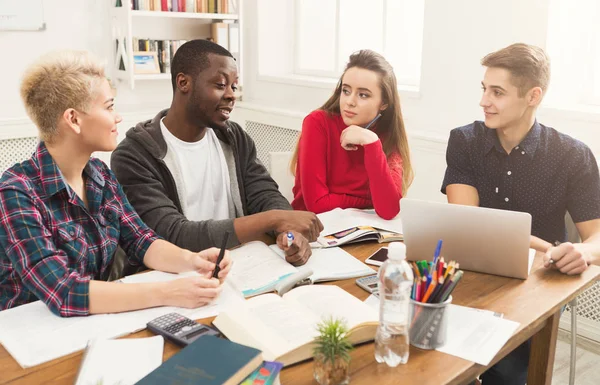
(339, 161)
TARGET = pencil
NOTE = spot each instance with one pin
(450, 288)
(429, 291)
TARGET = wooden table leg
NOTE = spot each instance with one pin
(541, 356)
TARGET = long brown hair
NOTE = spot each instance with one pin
(390, 127)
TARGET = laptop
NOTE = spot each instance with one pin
(480, 239)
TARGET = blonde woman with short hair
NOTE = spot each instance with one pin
(63, 213)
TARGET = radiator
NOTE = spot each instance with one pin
(16, 150)
(271, 139)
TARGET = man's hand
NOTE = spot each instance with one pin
(190, 292)
(567, 258)
(303, 222)
(354, 136)
(204, 263)
(298, 253)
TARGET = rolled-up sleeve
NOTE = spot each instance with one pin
(458, 163)
(42, 267)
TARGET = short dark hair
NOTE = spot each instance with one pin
(192, 58)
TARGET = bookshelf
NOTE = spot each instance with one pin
(129, 24)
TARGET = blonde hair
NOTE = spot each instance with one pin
(529, 66)
(56, 82)
(390, 128)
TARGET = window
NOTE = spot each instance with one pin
(320, 35)
(574, 48)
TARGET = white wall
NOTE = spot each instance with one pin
(72, 24)
(457, 34)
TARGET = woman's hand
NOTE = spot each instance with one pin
(354, 136)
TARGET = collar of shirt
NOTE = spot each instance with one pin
(52, 179)
(528, 145)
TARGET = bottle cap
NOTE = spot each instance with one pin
(397, 251)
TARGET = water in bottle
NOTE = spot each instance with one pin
(395, 284)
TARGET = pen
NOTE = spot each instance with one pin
(556, 244)
(221, 255)
(290, 238)
(438, 249)
(373, 121)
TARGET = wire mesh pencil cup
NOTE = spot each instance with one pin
(429, 324)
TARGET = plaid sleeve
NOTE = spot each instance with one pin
(42, 267)
(136, 237)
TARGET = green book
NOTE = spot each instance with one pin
(208, 360)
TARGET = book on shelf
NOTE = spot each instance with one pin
(128, 360)
(192, 6)
(220, 34)
(258, 268)
(208, 360)
(284, 328)
(165, 50)
(344, 226)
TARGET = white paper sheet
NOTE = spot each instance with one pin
(123, 362)
(475, 335)
(34, 335)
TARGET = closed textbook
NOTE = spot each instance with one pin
(207, 361)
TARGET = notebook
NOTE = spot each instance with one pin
(123, 362)
(284, 327)
(208, 361)
(258, 268)
(343, 226)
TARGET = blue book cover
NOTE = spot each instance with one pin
(208, 360)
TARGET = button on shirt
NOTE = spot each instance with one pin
(51, 245)
(547, 174)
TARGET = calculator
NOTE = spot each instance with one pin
(180, 329)
(369, 283)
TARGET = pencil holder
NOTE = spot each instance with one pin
(429, 324)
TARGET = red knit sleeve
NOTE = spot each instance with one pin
(312, 162)
(385, 180)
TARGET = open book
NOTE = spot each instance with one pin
(284, 327)
(258, 268)
(123, 362)
(343, 226)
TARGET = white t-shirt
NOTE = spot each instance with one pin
(203, 171)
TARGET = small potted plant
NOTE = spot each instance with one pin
(332, 353)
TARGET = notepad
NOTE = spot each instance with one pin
(258, 268)
(123, 362)
(343, 226)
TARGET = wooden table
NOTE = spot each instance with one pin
(535, 303)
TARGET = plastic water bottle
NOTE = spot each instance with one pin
(395, 284)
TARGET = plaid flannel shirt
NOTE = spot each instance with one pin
(51, 245)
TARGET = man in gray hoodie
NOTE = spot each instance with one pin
(193, 176)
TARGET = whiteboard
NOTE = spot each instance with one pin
(21, 15)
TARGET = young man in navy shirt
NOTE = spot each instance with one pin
(512, 162)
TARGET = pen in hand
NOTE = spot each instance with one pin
(221, 255)
(290, 238)
(372, 122)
